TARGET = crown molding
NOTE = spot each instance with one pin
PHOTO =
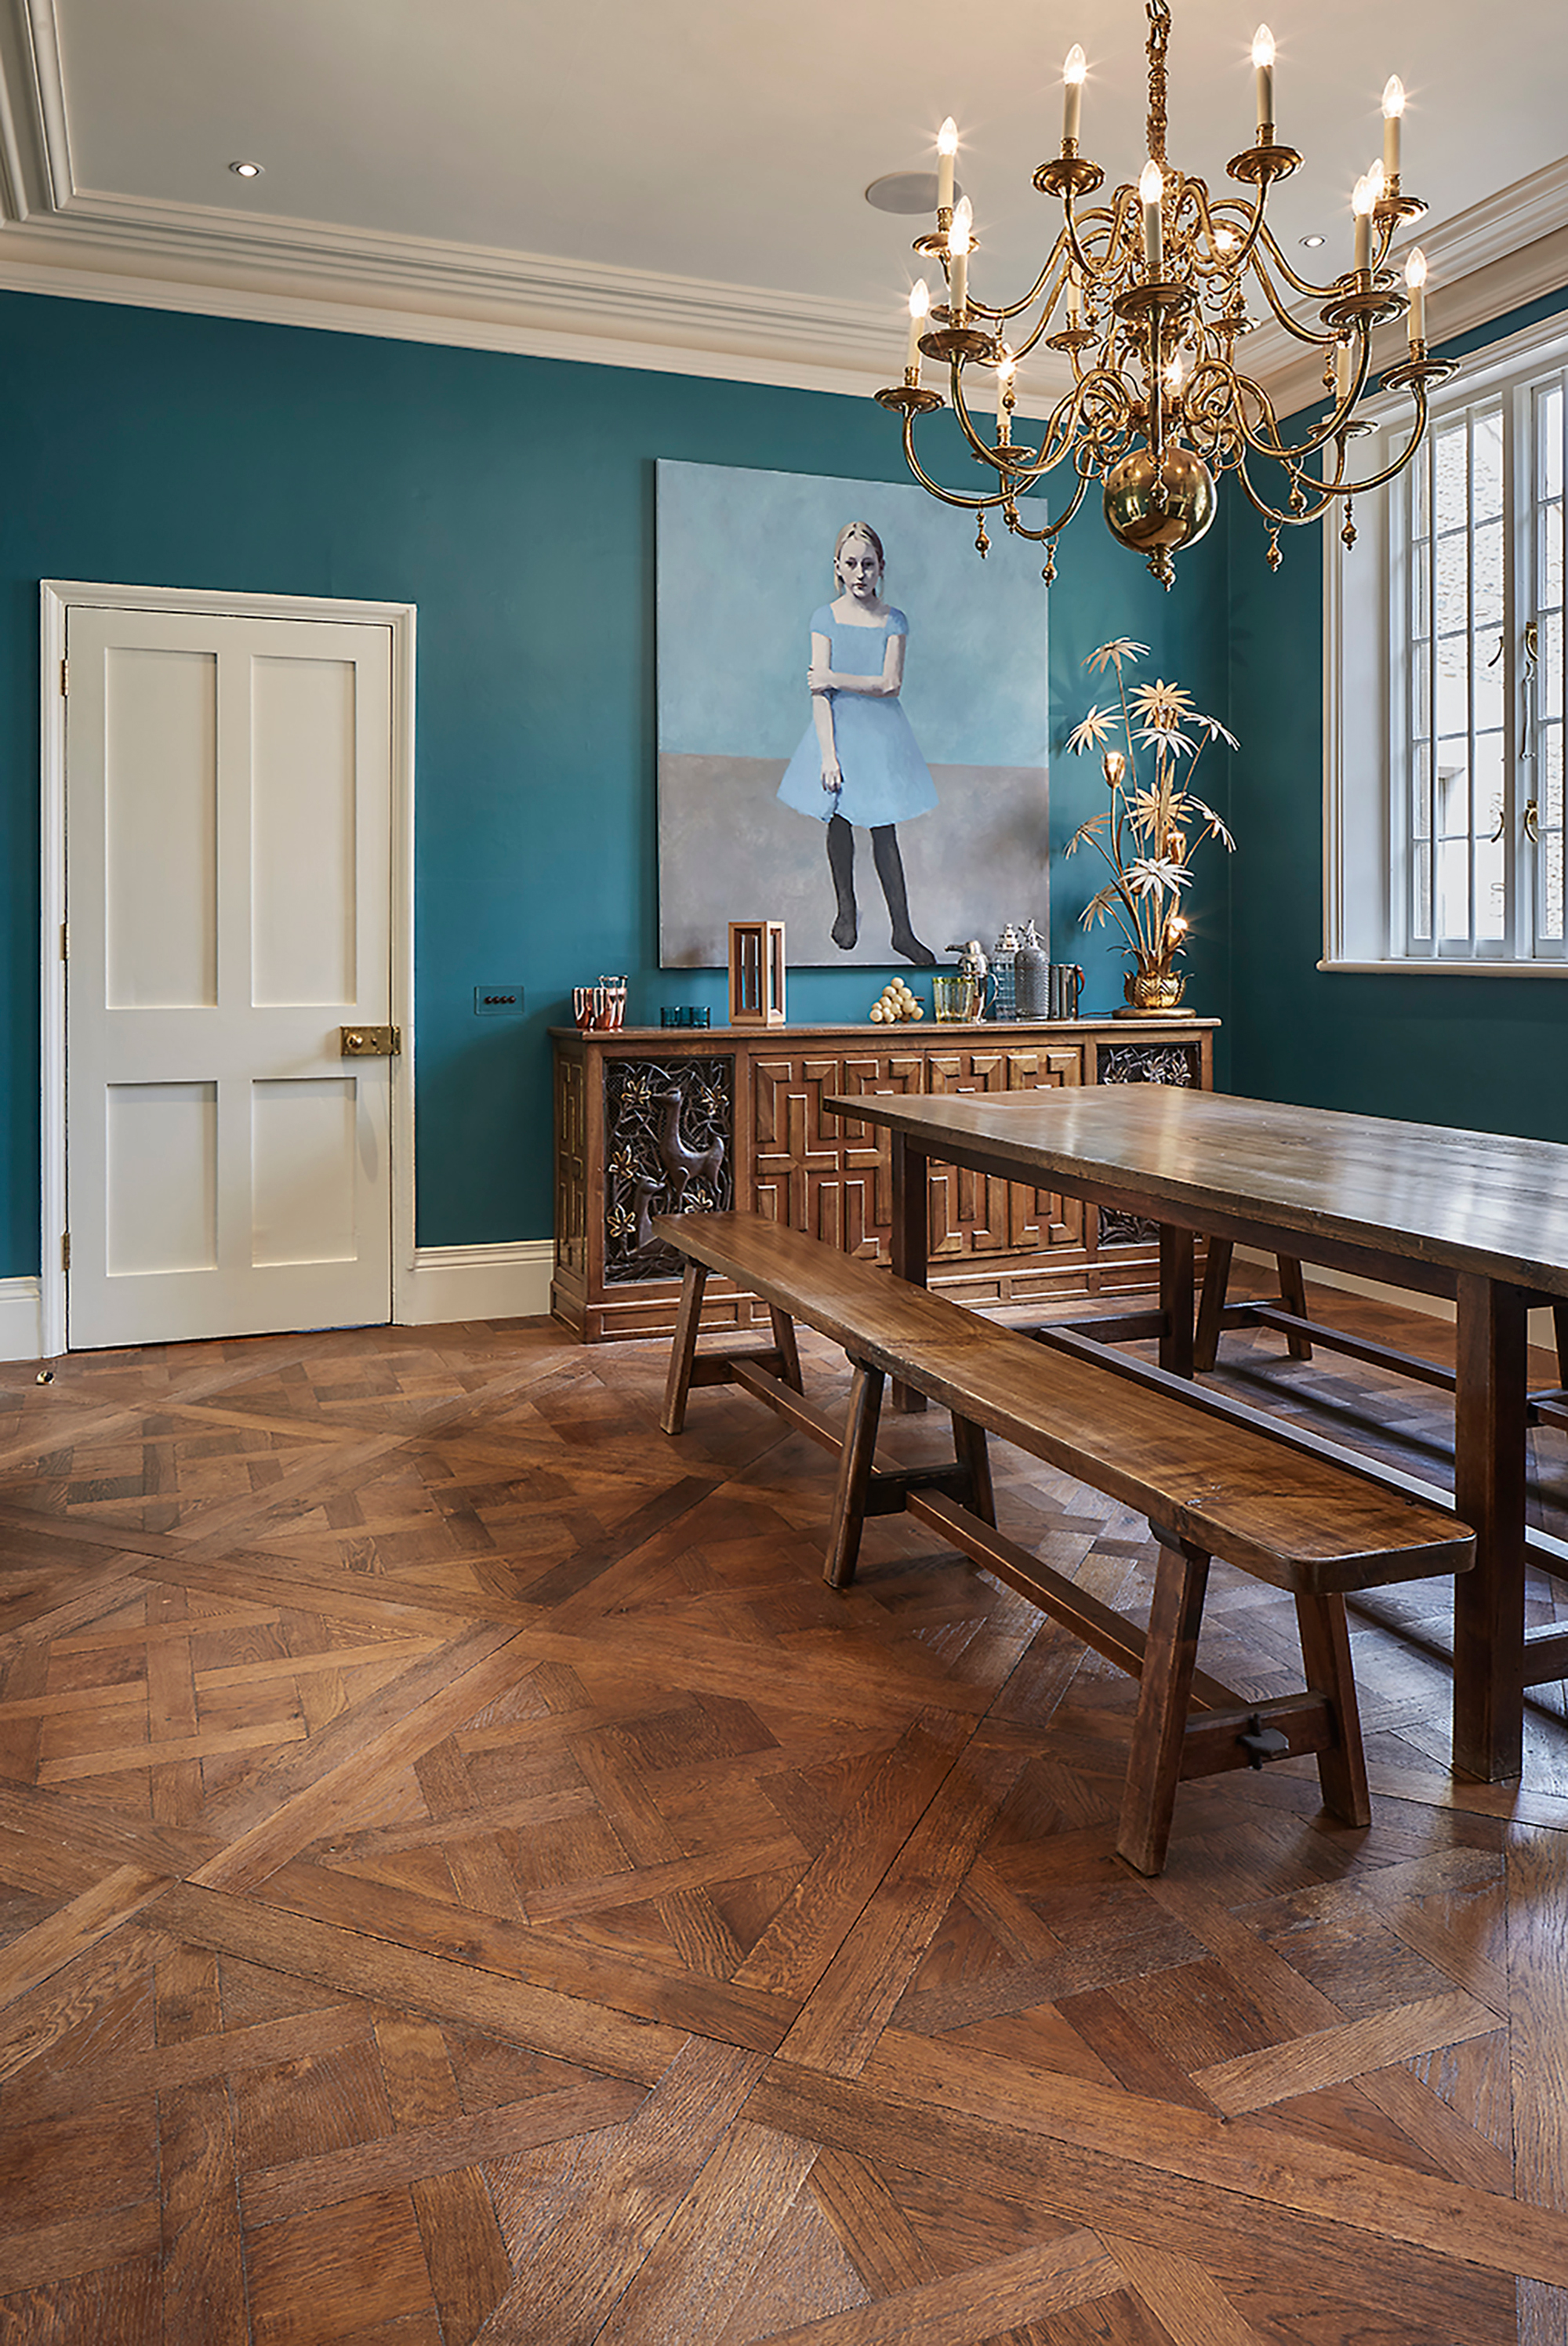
(91, 245)
(1510, 250)
(758, 348)
(34, 139)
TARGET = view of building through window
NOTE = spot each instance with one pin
(1477, 698)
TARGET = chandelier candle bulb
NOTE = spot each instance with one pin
(946, 149)
(920, 310)
(1075, 299)
(1151, 187)
(1073, 74)
(1361, 205)
(958, 236)
(1004, 374)
(1416, 285)
(1341, 372)
(1263, 66)
(1393, 112)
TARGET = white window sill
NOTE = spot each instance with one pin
(1446, 968)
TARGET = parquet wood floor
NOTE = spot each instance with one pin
(464, 1878)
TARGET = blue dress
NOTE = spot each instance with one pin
(886, 780)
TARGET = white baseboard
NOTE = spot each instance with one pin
(21, 1311)
(507, 1281)
(1437, 1306)
(510, 1281)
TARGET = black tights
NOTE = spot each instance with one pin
(890, 868)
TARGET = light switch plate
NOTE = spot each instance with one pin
(497, 1001)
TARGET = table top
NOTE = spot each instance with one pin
(1477, 1201)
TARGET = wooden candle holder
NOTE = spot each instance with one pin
(757, 972)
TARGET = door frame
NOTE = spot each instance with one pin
(56, 597)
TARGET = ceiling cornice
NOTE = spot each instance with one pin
(1508, 250)
(62, 239)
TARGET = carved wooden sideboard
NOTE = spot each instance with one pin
(650, 1119)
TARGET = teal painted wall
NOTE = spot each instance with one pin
(512, 500)
(1489, 1053)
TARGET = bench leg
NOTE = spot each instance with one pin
(1170, 1657)
(1211, 1304)
(785, 1346)
(683, 1351)
(970, 1448)
(1293, 1295)
(854, 1476)
(1326, 1654)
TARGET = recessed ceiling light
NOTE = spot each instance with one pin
(906, 191)
(246, 170)
(1311, 242)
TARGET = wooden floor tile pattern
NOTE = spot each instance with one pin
(463, 1877)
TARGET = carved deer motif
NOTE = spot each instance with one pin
(683, 1164)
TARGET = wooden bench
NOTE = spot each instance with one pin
(1213, 1477)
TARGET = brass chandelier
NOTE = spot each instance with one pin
(1146, 296)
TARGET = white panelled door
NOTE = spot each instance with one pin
(228, 841)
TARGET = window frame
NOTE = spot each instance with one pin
(1367, 850)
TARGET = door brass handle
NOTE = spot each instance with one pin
(370, 1042)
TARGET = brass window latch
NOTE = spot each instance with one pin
(372, 1042)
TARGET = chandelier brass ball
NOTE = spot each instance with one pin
(1152, 506)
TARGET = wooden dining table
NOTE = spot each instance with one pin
(1479, 1217)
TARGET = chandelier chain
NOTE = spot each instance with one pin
(1158, 43)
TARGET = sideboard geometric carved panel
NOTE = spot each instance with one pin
(649, 1120)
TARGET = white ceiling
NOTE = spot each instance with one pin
(604, 175)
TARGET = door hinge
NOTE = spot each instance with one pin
(65, 1252)
(65, 677)
(65, 941)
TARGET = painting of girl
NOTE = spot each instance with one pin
(858, 761)
(918, 748)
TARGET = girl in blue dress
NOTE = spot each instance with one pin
(860, 761)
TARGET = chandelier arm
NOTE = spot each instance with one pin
(1309, 510)
(1230, 264)
(1291, 454)
(1270, 243)
(1060, 428)
(1384, 225)
(1114, 215)
(1291, 325)
(1396, 465)
(1278, 520)
(1051, 528)
(1037, 332)
(960, 410)
(948, 496)
(1004, 462)
(1020, 352)
(1329, 491)
(1037, 462)
(1016, 308)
